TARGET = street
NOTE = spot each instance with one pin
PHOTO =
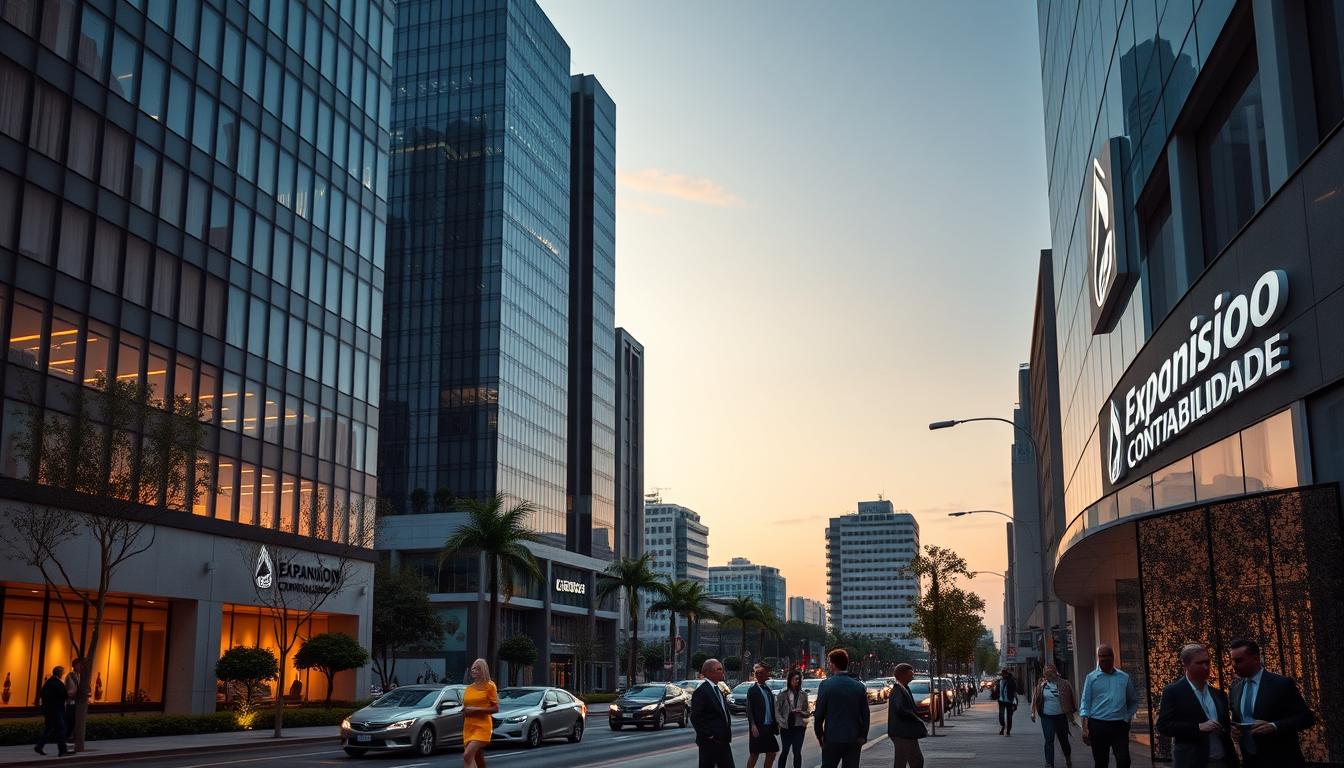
(600, 747)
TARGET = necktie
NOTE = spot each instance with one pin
(1248, 700)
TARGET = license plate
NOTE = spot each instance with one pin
(363, 738)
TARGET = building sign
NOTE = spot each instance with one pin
(571, 587)
(264, 575)
(1109, 269)
(1215, 365)
(294, 577)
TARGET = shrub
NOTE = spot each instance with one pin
(105, 727)
(597, 698)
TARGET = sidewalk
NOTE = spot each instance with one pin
(972, 738)
(126, 751)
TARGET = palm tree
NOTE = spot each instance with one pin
(632, 577)
(683, 598)
(699, 605)
(743, 611)
(501, 533)
(766, 623)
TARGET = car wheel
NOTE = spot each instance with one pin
(424, 741)
(576, 735)
(534, 735)
(353, 752)
(659, 720)
(685, 719)
(615, 726)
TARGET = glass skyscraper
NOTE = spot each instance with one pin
(192, 196)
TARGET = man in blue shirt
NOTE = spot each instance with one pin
(1108, 703)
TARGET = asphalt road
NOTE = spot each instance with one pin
(601, 747)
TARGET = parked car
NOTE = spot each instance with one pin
(651, 705)
(927, 704)
(737, 698)
(877, 691)
(812, 685)
(422, 718)
(531, 715)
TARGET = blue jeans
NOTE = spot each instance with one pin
(792, 739)
(1055, 727)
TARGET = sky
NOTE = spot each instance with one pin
(829, 217)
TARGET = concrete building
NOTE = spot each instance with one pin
(679, 544)
(741, 577)
(629, 492)
(867, 588)
(807, 610)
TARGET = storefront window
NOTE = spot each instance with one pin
(250, 626)
(1136, 498)
(1269, 454)
(1218, 470)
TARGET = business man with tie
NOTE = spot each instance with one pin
(1193, 714)
(710, 719)
(1268, 710)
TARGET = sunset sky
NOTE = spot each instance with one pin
(829, 218)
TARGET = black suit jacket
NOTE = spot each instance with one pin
(710, 718)
(759, 701)
(1278, 701)
(1178, 718)
(53, 697)
(903, 720)
(842, 715)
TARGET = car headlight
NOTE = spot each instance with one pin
(648, 707)
(345, 724)
(401, 724)
(515, 719)
(924, 703)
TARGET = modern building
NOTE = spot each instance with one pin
(1026, 621)
(1196, 181)
(629, 494)
(743, 578)
(487, 192)
(679, 545)
(193, 198)
(807, 610)
(868, 589)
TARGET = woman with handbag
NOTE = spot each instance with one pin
(791, 710)
(1055, 702)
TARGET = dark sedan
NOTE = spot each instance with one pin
(652, 705)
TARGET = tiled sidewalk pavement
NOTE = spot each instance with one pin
(973, 740)
(125, 751)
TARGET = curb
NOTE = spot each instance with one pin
(87, 758)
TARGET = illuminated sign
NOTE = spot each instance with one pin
(264, 575)
(571, 587)
(1109, 271)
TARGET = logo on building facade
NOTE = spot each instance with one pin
(1178, 394)
(1101, 235)
(571, 587)
(264, 576)
(1109, 272)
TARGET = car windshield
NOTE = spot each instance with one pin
(919, 687)
(647, 692)
(743, 687)
(520, 697)
(876, 684)
(811, 685)
(775, 684)
(403, 698)
(690, 685)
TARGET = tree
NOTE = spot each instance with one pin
(767, 623)
(987, 653)
(685, 598)
(443, 500)
(698, 660)
(940, 566)
(652, 656)
(246, 669)
(419, 500)
(403, 618)
(587, 649)
(501, 533)
(633, 578)
(742, 611)
(520, 652)
(119, 456)
(329, 653)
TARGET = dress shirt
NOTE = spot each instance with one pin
(1050, 700)
(1108, 696)
(1211, 712)
(1250, 688)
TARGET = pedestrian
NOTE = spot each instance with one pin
(904, 725)
(72, 679)
(842, 716)
(791, 706)
(1006, 694)
(1055, 702)
(480, 701)
(53, 713)
(1108, 703)
(761, 719)
(1268, 711)
(1194, 715)
(711, 720)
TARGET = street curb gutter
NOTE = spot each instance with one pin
(86, 758)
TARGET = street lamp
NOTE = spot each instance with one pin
(980, 512)
(992, 573)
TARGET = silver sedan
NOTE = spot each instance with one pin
(422, 718)
(531, 715)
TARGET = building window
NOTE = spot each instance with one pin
(1325, 35)
(1233, 159)
(1218, 470)
(1269, 454)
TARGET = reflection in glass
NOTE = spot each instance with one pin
(1174, 484)
(1218, 470)
(1269, 454)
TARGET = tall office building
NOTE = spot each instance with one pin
(867, 588)
(679, 544)
(741, 577)
(1025, 540)
(478, 381)
(629, 493)
(807, 610)
(592, 320)
(192, 197)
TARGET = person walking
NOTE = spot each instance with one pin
(791, 707)
(904, 726)
(53, 713)
(72, 679)
(1055, 702)
(1108, 703)
(1194, 715)
(842, 717)
(1006, 694)
(1267, 709)
(710, 718)
(761, 719)
(480, 701)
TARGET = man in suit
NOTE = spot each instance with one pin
(904, 726)
(1268, 710)
(710, 718)
(841, 718)
(53, 713)
(1194, 715)
(761, 719)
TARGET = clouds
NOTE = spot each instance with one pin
(655, 181)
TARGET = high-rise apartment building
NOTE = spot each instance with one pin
(679, 545)
(193, 198)
(807, 610)
(741, 577)
(867, 587)
(493, 384)
(629, 492)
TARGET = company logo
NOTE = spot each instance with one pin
(1116, 459)
(1109, 272)
(571, 587)
(1101, 236)
(265, 573)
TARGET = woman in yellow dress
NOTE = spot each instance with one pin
(479, 703)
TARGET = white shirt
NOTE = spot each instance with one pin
(1205, 699)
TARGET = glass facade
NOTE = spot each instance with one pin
(192, 195)
(478, 283)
